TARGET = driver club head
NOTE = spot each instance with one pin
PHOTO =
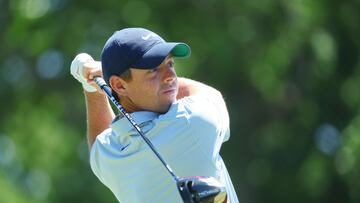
(200, 189)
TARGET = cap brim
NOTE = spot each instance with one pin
(157, 54)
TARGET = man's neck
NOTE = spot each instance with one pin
(128, 105)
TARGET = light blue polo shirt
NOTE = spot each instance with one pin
(188, 137)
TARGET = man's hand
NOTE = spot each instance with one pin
(84, 69)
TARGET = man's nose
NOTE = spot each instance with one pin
(169, 75)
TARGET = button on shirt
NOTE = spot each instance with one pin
(188, 137)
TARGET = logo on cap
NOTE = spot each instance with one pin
(148, 36)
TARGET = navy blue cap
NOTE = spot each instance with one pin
(137, 48)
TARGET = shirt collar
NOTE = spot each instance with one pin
(122, 125)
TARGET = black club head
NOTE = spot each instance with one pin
(199, 189)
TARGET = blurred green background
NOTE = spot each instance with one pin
(288, 69)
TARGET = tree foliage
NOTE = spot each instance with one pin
(289, 72)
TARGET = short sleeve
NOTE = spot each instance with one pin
(95, 153)
(220, 106)
(211, 107)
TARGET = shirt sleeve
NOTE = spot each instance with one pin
(223, 119)
(95, 154)
(212, 105)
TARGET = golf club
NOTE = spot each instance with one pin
(196, 189)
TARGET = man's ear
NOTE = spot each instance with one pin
(118, 85)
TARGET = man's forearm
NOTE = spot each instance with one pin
(99, 115)
(189, 87)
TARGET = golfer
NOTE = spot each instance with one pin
(187, 121)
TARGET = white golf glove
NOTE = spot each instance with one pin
(77, 70)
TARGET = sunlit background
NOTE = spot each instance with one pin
(289, 71)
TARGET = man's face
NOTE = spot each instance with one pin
(154, 89)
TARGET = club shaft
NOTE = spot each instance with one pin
(101, 83)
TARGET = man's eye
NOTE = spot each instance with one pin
(171, 64)
(153, 70)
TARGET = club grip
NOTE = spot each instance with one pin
(102, 84)
(100, 81)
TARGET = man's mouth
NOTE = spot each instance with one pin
(169, 91)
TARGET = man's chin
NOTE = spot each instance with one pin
(166, 106)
